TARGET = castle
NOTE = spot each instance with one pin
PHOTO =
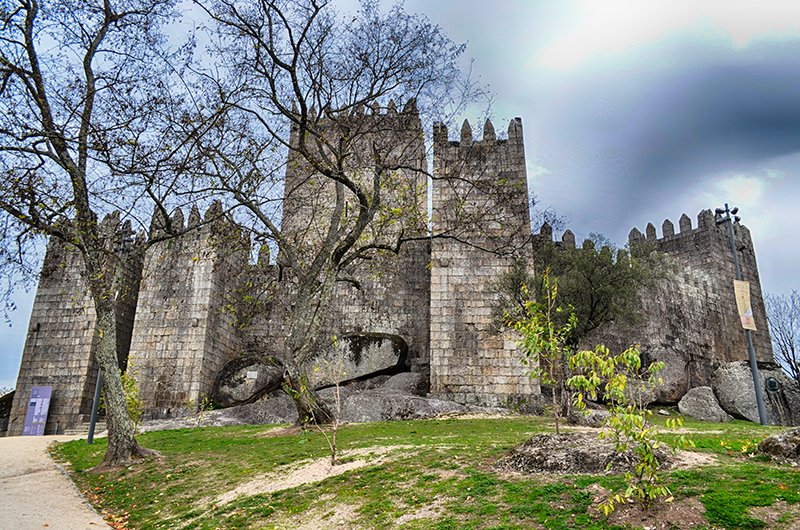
(197, 302)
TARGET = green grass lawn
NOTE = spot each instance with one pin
(441, 478)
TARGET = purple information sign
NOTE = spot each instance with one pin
(38, 406)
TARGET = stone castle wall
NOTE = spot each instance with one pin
(201, 302)
(691, 321)
(185, 323)
(480, 224)
(61, 340)
(387, 296)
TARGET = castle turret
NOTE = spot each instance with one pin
(185, 322)
(481, 225)
(690, 317)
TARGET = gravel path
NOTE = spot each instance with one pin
(35, 493)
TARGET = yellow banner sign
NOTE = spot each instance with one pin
(742, 290)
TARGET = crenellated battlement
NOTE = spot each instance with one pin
(436, 296)
(489, 137)
(705, 221)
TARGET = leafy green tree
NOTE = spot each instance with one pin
(624, 383)
(601, 284)
(545, 342)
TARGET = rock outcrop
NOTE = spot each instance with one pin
(245, 379)
(701, 403)
(783, 447)
(733, 386)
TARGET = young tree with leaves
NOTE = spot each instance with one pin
(545, 340)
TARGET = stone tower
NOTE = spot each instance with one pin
(690, 317)
(60, 345)
(184, 331)
(384, 304)
(481, 224)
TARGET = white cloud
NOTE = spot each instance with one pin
(616, 27)
(751, 193)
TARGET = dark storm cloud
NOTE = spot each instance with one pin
(672, 113)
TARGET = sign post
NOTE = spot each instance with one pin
(742, 294)
(38, 407)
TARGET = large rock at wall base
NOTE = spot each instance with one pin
(675, 379)
(246, 378)
(594, 416)
(783, 446)
(362, 354)
(276, 407)
(702, 404)
(413, 383)
(387, 406)
(733, 386)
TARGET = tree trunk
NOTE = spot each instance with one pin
(122, 446)
(312, 302)
(309, 408)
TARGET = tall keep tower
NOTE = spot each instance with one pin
(481, 224)
(384, 302)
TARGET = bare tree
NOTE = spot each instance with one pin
(783, 314)
(311, 146)
(86, 128)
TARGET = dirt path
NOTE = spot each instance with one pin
(34, 493)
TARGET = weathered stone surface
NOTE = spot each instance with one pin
(733, 386)
(689, 316)
(5, 411)
(413, 383)
(675, 376)
(386, 406)
(470, 363)
(61, 337)
(640, 392)
(369, 383)
(363, 354)
(201, 303)
(783, 446)
(244, 379)
(275, 408)
(594, 417)
(702, 404)
(327, 396)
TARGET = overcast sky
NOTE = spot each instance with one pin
(635, 112)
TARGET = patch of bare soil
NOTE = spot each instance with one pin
(681, 514)
(307, 472)
(583, 452)
(779, 516)
(676, 515)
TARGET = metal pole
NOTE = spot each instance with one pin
(751, 351)
(95, 404)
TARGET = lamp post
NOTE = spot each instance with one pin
(762, 414)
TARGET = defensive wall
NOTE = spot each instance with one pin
(690, 316)
(196, 302)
